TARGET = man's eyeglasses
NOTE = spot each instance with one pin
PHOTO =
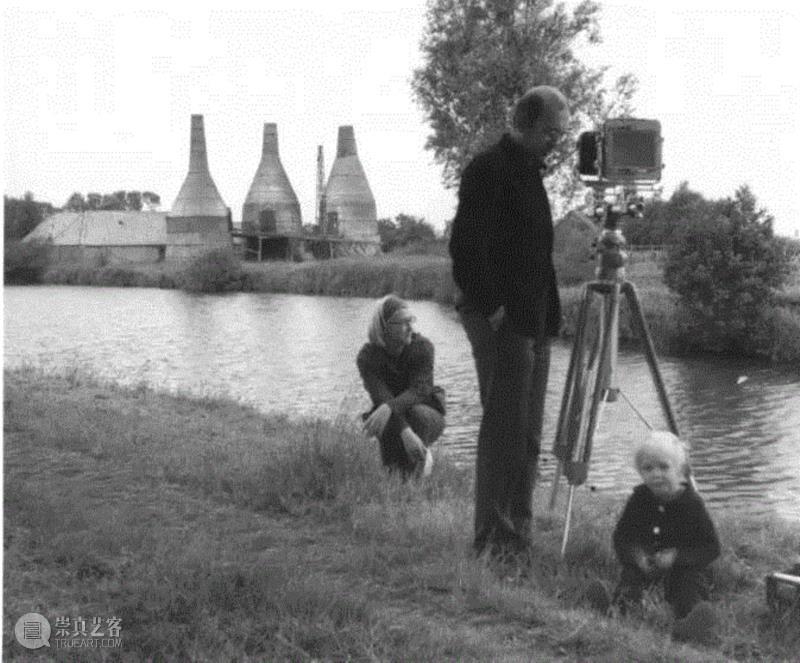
(554, 134)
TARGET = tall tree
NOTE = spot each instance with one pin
(480, 56)
(94, 200)
(21, 215)
(133, 201)
(151, 200)
(113, 201)
(76, 203)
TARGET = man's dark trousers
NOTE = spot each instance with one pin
(512, 377)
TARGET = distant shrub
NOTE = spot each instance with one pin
(726, 266)
(778, 335)
(662, 220)
(22, 215)
(404, 230)
(219, 270)
(25, 262)
(573, 254)
(792, 248)
(427, 247)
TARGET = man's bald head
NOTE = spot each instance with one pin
(536, 102)
(541, 119)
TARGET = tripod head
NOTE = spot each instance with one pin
(613, 204)
(610, 245)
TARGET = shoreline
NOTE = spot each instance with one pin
(427, 277)
(216, 532)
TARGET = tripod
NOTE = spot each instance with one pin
(590, 376)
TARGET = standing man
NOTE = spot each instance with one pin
(501, 245)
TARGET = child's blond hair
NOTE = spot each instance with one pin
(662, 444)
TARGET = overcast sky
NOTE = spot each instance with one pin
(98, 95)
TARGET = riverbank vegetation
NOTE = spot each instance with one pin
(218, 533)
(427, 276)
(722, 282)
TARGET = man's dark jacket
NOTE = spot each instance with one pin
(502, 240)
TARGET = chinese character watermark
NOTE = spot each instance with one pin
(33, 631)
(72, 632)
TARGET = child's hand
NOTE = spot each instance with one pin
(643, 561)
(664, 559)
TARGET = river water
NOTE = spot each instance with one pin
(295, 354)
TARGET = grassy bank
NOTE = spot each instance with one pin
(410, 276)
(217, 533)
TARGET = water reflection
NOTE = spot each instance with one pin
(296, 354)
(737, 441)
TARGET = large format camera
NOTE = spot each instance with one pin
(619, 162)
(625, 151)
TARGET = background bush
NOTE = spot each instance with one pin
(403, 231)
(662, 220)
(25, 262)
(725, 267)
(573, 249)
(22, 215)
(215, 271)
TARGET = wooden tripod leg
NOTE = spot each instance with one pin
(570, 384)
(605, 355)
(565, 536)
(607, 364)
(650, 354)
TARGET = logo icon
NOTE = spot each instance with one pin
(33, 631)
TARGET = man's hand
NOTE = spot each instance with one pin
(496, 318)
(664, 559)
(377, 421)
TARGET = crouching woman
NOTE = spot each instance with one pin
(396, 366)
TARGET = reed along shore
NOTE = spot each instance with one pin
(215, 532)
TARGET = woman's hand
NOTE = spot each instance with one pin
(377, 421)
(413, 445)
(496, 318)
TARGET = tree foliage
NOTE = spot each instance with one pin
(480, 56)
(661, 221)
(219, 270)
(403, 231)
(725, 265)
(21, 215)
(131, 201)
(25, 262)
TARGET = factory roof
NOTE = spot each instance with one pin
(103, 228)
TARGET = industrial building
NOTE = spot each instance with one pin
(104, 236)
(272, 224)
(199, 220)
(349, 206)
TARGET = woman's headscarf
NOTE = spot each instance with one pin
(386, 308)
